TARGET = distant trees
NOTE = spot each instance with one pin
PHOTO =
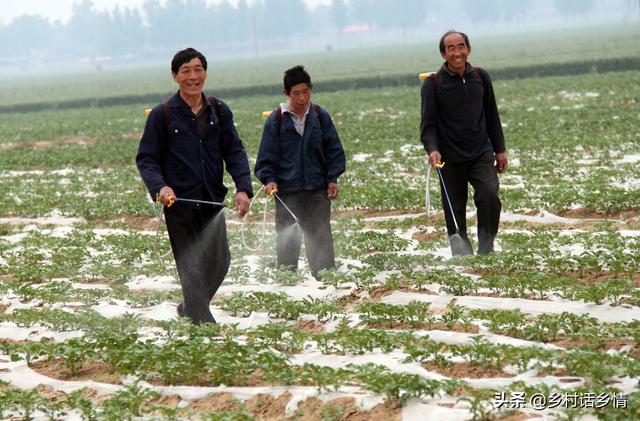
(229, 25)
(390, 13)
(496, 10)
(573, 7)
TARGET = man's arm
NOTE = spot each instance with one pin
(235, 156)
(268, 152)
(333, 153)
(149, 156)
(332, 148)
(494, 126)
(429, 115)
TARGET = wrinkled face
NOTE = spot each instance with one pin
(456, 52)
(300, 96)
(190, 77)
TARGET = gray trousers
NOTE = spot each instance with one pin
(313, 210)
(198, 239)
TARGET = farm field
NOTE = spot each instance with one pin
(548, 325)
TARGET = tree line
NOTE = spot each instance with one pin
(159, 27)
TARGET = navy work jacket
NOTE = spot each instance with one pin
(299, 163)
(171, 153)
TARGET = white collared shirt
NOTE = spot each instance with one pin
(298, 122)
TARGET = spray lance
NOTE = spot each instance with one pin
(269, 195)
(272, 194)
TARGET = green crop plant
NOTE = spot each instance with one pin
(455, 314)
(415, 313)
(480, 405)
(132, 401)
(278, 336)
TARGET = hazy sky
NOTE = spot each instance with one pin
(61, 9)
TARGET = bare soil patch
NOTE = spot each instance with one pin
(266, 407)
(592, 278)
(593, 214)
(615, 344)
(344, 409)
(466, 370)
(309, 326)
(134, 222)
(423, 237)
(433, 326)
(93, 370)
(347, 300)
(216, 402)
(49, 144)
(169, 400)
(367, 213)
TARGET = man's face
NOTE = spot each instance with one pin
(190, 77)
(300, 96)
(456, 52)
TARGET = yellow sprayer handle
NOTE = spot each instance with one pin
(425, 75)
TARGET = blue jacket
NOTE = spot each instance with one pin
(192, 167)
(298, 163)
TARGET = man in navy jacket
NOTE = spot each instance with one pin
(461, 127)
(300, 159)
(186, 144)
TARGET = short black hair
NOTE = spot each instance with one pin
(453, 31)
(295, 76)
(185, 56)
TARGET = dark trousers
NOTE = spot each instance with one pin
(199, 242)
(313, 210)
(481, 174)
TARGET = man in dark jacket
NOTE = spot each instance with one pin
(300, 159)
(460, 126)
(186, 144)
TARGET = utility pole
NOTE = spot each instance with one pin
(254, 29)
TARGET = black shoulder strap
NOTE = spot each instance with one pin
(485, 84)
(316, 108)
(436, 82)
(481, 74)
(216, 108)
(166, 116)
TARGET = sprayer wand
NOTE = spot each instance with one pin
(285, 206)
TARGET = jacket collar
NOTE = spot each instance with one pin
(176, 101)
(468, 69)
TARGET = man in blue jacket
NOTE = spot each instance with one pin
(300, 159)
(461, 127)
(186, 144)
